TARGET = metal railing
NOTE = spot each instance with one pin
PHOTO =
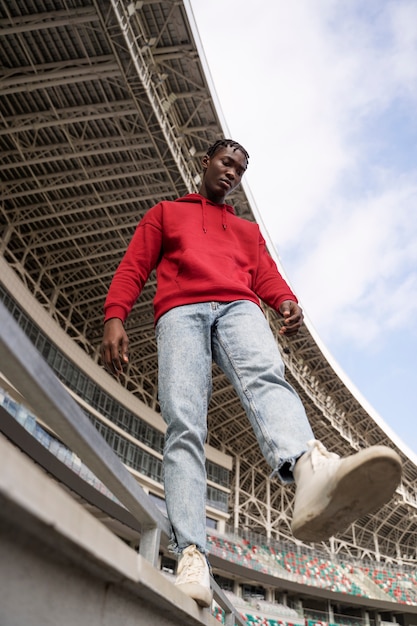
(26, 369)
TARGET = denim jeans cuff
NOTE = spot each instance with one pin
(285, 469)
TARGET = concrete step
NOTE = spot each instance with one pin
(59, 565)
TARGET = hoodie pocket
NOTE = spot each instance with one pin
(199, 271)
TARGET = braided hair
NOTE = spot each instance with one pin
(227, 143)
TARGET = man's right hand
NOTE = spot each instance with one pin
(114, 347)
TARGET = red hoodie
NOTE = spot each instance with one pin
(202, 252)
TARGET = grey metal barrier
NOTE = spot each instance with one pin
(26, 369)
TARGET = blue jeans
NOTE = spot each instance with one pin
(238, 338)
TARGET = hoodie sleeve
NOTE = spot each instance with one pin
(269, 285)
(140, 258)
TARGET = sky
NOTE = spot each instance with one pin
(323, 96)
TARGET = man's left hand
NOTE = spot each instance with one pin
(293, 318)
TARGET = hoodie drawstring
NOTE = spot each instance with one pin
(204, 208)
(204, 214)
(224, 218)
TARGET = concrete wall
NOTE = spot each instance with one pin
(59, 566)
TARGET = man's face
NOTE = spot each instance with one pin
(222, 173)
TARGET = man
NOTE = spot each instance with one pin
(212, 271)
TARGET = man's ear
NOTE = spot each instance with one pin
(205, 161)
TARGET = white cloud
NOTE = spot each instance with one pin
(310, 90)
(358, 274)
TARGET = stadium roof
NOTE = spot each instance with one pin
(106, 109)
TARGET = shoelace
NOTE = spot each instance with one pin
(192, 568)
(320, 454)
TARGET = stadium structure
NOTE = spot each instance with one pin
(107, 107)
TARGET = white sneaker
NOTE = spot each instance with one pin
(332, 492)
(193, 576)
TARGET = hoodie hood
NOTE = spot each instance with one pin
(196, 198)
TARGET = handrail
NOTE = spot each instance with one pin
(26, 369)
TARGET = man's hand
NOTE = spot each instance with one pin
(114, 347)
(293, 318)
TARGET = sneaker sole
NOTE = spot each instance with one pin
(201, 594)
(362, 485)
